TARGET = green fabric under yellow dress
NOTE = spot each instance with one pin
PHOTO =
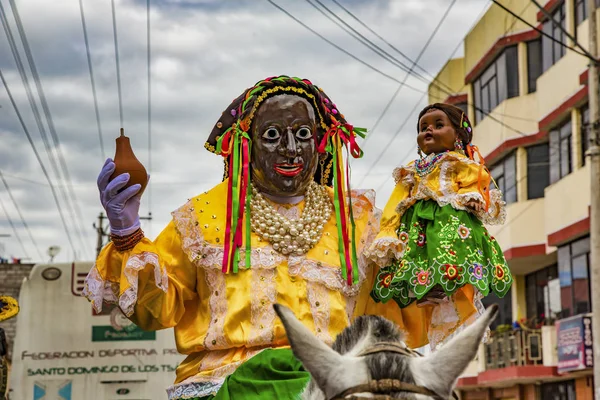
(430, 237)
(274, 373)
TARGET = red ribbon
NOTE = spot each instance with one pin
(238, 242)
(347, 137)
(227, 249)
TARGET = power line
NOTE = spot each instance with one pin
(349, 29)
(435, 82)
(50, 122)
(92, 80)
(368, 65)
(14, 228)
(542, 32)
(392, 138)
(16, 205)
(553, 150)
(414, 63)
(340, 48)
(25, 179)
(114, 20)
(37, 155)
(32, 103)
(563, 30)
(149, 64)
(379, 157)
(381, 38)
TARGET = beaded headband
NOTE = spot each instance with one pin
(231, 138)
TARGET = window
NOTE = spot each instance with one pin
(584, 112)
(560, 151)
(538, 170)
(500, 81)
(581, 10)
(505, 174)
(574, 274)
(564, 390)
(538, 293)
(534, 64)
(463, 106)
(551, 50)
(504, 308)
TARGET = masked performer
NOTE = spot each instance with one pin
(282, 227)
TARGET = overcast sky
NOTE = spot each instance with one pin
(204, 53)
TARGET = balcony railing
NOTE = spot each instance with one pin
(514, 348)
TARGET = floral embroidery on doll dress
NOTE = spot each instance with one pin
(442, 246)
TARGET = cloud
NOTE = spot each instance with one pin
(203, 54)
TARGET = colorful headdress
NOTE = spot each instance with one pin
(231, 138)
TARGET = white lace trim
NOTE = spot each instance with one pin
(262, 313)
(496, 214)
(331, 277)
(318, 297)
(384, 250)
(215, 336)
(445, 318)
(205, 385)
(213, 361)
(98, 290)
(194, 389)
(210, 256)
(350, 307)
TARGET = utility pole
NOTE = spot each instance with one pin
(594, 154)
(102, 233)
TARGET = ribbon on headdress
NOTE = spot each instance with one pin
(335, 139)
(235, 144)
(483, 184)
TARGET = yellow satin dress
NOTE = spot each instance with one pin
(220, 320)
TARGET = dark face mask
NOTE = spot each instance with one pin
(284, 157)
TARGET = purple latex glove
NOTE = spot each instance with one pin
(121, 208)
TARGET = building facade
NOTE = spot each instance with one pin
(527, 97)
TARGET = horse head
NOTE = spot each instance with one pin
(370, 357)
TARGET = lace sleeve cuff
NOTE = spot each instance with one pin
(121, 288)
(385, 250)
(496, 213)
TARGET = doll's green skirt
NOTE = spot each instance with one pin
(445, 247)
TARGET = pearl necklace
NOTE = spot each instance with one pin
(287, 236)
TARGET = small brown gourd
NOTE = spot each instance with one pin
(126, 162)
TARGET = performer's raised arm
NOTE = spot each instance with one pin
(149, 281)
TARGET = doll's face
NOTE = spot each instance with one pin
(284, 154)
(436, 132)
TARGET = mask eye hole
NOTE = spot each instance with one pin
(271, 134)
(304, 133)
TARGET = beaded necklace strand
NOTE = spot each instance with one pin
(425, 165)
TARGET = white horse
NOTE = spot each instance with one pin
(369, 358)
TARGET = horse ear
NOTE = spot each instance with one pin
(332, 372)
(440, 370)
